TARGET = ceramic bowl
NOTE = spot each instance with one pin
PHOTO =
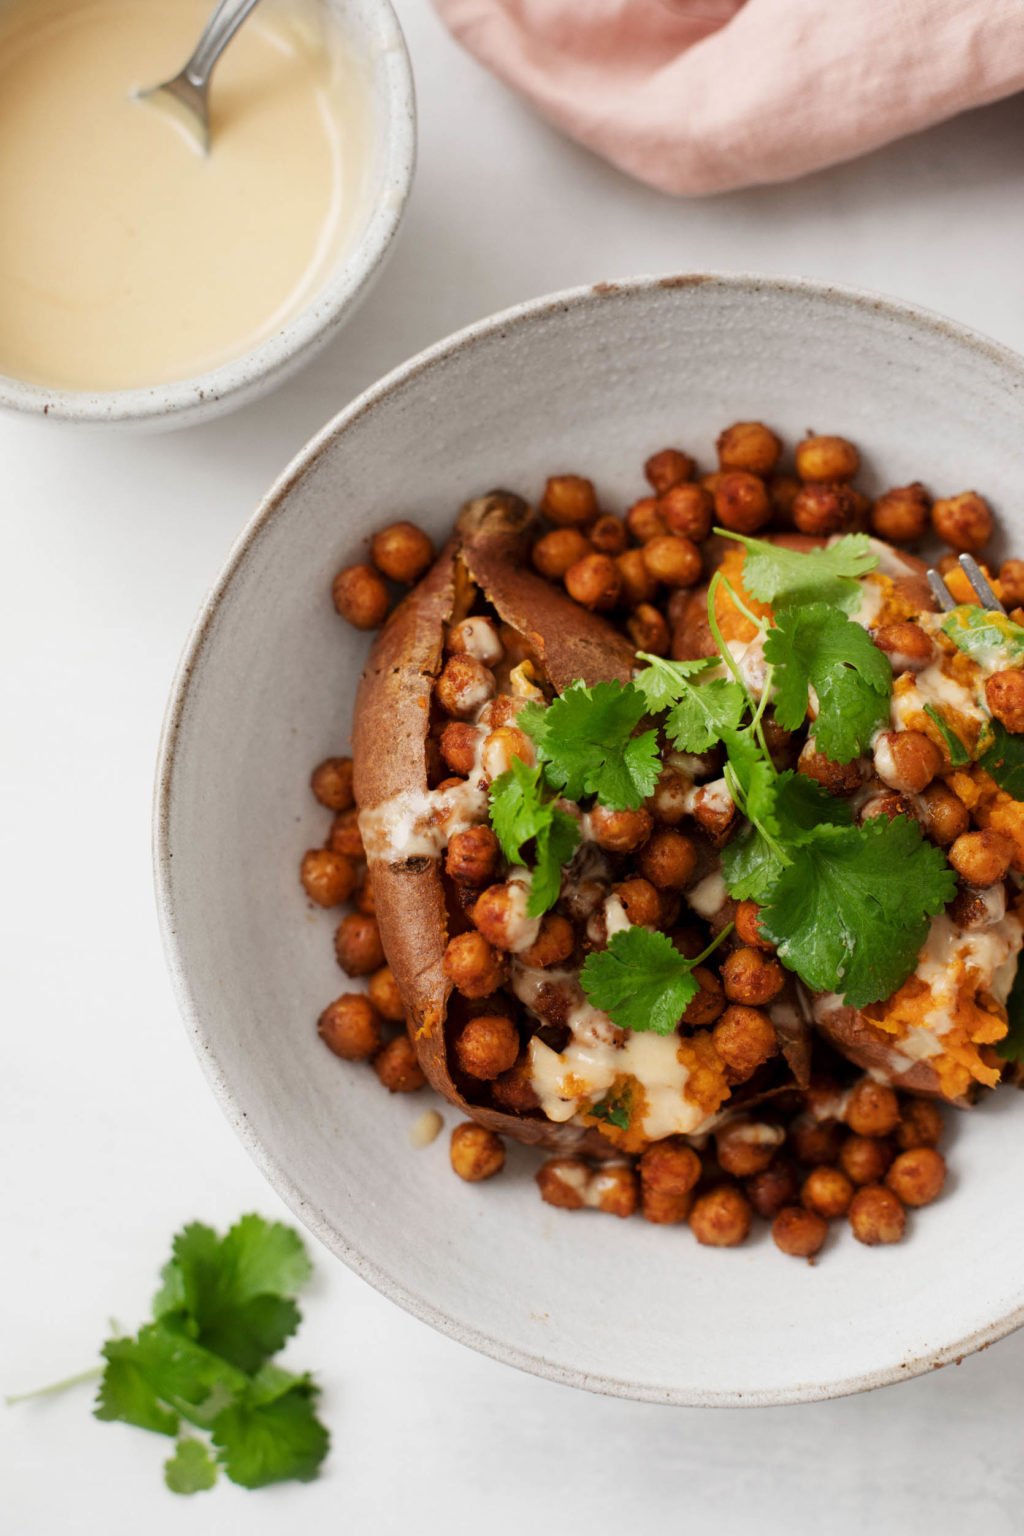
(372, 32)
(590, 381)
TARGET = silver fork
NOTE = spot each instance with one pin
(979, 583)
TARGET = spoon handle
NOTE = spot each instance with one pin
(217, 33)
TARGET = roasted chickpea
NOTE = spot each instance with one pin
(357, 945)
(668, 860)
(872, 1109)
(638, 585)
(331, 783)
(1004, 694)
(741, 502)
(1011, 582)
(472, 966)
(744, 1038)
(773, 1188)
(459, 742)
(365, 900)
(558, 550)
(499, 914)
(644, 520)
(688, 509)
(917, 1176)
(562, 1182)
(382, 990)
(402, 552)
(839, 779)
(721, 1217)
(478, 636)
(668, 468)
(487, 1046)
(594, 582)
(901, 515)
(943, 814)
(864, 1159)
(821, 510)
(476, 1153)
(397, 1067)
(501, 746)
(827, 1191)
(708, 1003)
(920, 1124)
(581, 899)
(965, 522)
(888, 803)
(713, 809)
(748, 927)
(982, 858)
(554, 943)
(747, 1147)
(907, 645)
(877, 1216)
(569, 501)
(815, 1141)
(673, 559)
(906, 760)
(327, 878)
(608, 535)
(620, 831)
(345, 836)
(463, 686)
(613, 1189)
(473, 857)
(749, 445)
(670, 1167)
(513, 1091)
(664, 1210)
(826, 458)
(751, 977)
(648, 630)
(360, 596)
(350, 1027)
(799, 1232)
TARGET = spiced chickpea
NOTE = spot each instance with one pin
(501, 746)
(673, 559)
(478, 636)
(982, 858)
(594, 582)
(382, 990)
(749, 445)
(473, 966)
(741, 502)
(669, 804)
(561, 1181)
(667, 468)
(581, 899)
(498, 914)
(664, 1210)
(463, 686)
(350, 1027)
(328, 878)
(473, 857)
(901, 515)
(365, 900)
(826, 458)
(714, 810)
(943, 814)
(839, 779)
(613, 1189)
(668, 860)
(487, 1046)
(688, 509)
(620, 831)
(751, 977)
(475, 1152)
(402, 552)
(641, 902)
(1011, 582)
(1004, 694)
(557, 551)
(360, 596)
(907, 645)
(569, 501)
(721, 1217)
(864, 1159)
(608, 535)
(357, 945)
(648, 630)
(888, 803)
(815, 1141)
(772, 1188)
(827, 1191)
(822, 509)
(708, 1003)
(670, 1167)
(748, 927)
(644, 519)
(872, 1109)
(964, 522)
(917, 1176)
(745, 1039)
(798, 1232)
(877, 1216)
(638, 585)
(554, 943)
(458, 744)
(782, 493)
(513, 1090)
(345, 836)
(745, 1148)
(920, 1124)
(906, 760)
(331, 783)
(397, 1067)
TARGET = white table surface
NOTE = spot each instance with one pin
(111, 1137)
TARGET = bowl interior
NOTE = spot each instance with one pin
(591, 383)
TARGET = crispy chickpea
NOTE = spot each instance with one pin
(472, 966)
(943, 814)
(608, 535)
(749, 445)
(478, 636)
(670, 1167)
(825, 509)
(360, 596)
(772, 1188)
(917, 1176)
(920, 1124)
(668, 468)
(554, 943)
(365, 900)
(877, 1216)
(668, 860)
(688, 510)
(382, 990)
(664, 1210)
(815, 1141)
(644, 519)
(620, 831)
(345, 836)
(641, 902)
(906, 760)
(901, 515)
(826, 458)
(513, 1090)
(888, 803)
(648, 630)
(498, 914)
(837, 778)
(350, 1027)
(745, 1148)
(561, 1181)
(458, 745)
(713, 810)
(487, 1046)
(673, 559)
(827, 1192)
(638, 585)
(965, 522)
(501, 746)
(872, 1109)
(613, 1189)
(463, 686)
(558, 550)
(907, 645)
(397, 1067)
(331, 783)
(799, 1232)
(1004, 694)
(401, 552)
(721, 1217)
(782, 494)
(357, 945)
(751, 977)
(1011, 582)
(864, 1159)
(473, 857)
(744, 1038)
(594, 582)
(569, 501)
(748, 927)
(476, 1153)
(741, 502)
(982, 858)
(327, 878)
(708, 1003)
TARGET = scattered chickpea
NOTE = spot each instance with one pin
(965, 522)
(513, 1090)
(557, 551)
(901, 515)
(670, 1167)
(641, 902)
(668, 468)
(708, 1003)
(1011, 582)
(498, 914)
(826, 458)
(745, 1039)
(668, 860)
(620, 831)
(648, 630)
(772, 1188)
(721, 1217)
(751, 977)
(872, 1109)
(638, 585)
(782, 493)
(877, 1216)
(1004, 694)
(397, 1067)
(594, 582)
(644, 519)
(402, 552)
(328, 878)
(357, 945)
(982, 858)
(864, 1159)
(837, 778)
(815, 1141)
(554, 943)
(917, 1176)
(473, 857)
(748, 928)
(476, 1153)
(569, 1183)
(501, 746)
(906, 760)
(345, 836)
(822, 509)
(613, 1189)
(749, 445)
(569, 501)
(745, 1148)
(561, 1181)
(888, 803)
(360, 596)
(487, 1046)
(827, 1191)
(688, 509)
(906, 644)
(799, 1232)
(382, 990)
(472, 966)
(478, 636)
(350, 1027)
(459, 742)
(673, 559)
(331, 783)
(463, 686)
(713, 811)
(741, 502)
(944, 815)
(920, 1125)
(608, 535)
(664, 1210)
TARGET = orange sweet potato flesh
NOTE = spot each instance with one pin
(872, 1049)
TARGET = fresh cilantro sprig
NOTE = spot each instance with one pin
(521, 812)
(817, 647)
(782, 816)
(698, 712)
(587, 743)
(788, 578)
(641, 981)
(959, 756)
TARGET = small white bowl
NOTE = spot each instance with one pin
(591, 381)
(371, 29)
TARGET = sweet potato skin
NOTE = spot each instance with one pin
(870, 1048)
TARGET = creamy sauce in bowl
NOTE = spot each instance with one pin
(126, 257)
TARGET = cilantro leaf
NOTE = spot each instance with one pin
(183, 1376)
(818, 647)
(787, 578)
(701, 712)
(126, 1396)
(269, 1441)
(850, 913)
(612, 1111)
(1011, 1047)
(793, 806)
(585, 739)
(556, 844)
(987, 636)
(1004, 760)
(641, 981)
(519, 814)
(191, 1469)
(661, 682)
(958, 753)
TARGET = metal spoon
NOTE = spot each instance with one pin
(188, 91)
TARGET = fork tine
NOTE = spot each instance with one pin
(940, 591)
(978, 580)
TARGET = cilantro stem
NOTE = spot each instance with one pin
(718, 939)
(717, 581)
(756, 709)
(54, 1387)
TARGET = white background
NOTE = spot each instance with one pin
(111, 1137)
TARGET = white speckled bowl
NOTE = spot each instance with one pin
(371, 30)
(590, 381)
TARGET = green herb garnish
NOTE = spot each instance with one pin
(785, 578)
(958, 753)
(818, 647)
(587, 744)
(1003, 760)
(985, 635)
(698, 712)
(641, 981)
(521, 812)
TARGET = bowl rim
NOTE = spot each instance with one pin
(518, 317)
(181, 402)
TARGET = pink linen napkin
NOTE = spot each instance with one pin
(697, 96)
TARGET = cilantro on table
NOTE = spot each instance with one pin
(788, 578)
(587, 743)
(641, 981)
(980, 632)
(818, 647)
(697, 715)
(521, 813)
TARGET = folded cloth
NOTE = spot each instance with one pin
(698, 96)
